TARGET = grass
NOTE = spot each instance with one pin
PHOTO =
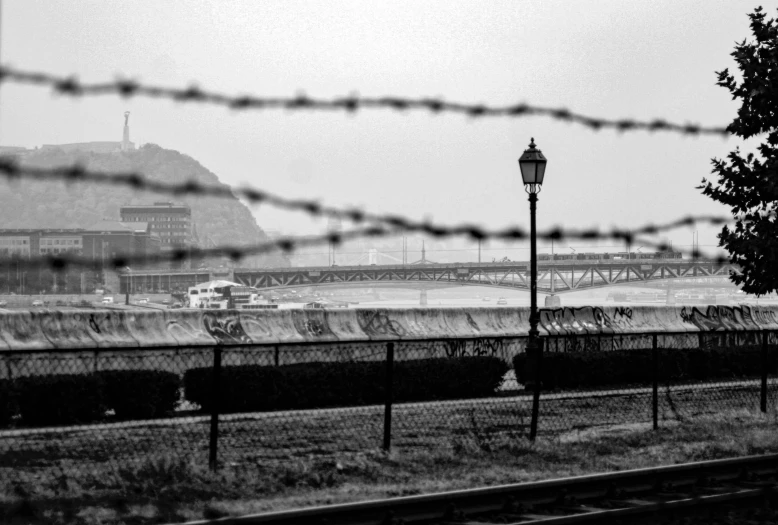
(157, 472)
(171, 488)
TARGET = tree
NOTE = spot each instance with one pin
(749, 185)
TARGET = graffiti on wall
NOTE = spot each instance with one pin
(726, 317)
(225, 329)
(377, 323)
(311, 324)
(188, 329)
(574, 344)
(474, 347)
(572, 321)
(622, 313)
(575, 329)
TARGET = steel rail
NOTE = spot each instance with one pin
(592, 498)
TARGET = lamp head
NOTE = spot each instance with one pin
(533, 167)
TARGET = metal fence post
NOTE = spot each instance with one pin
(388, 392)
(276, 356)
(763, 393)
(215, 405)
(655, 386)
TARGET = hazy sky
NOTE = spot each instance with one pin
(615, 59)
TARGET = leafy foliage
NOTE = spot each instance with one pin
(563, 370)
(747, 184)
(8, 406)
(83, 398)
(319, 385)
(140, 394)
(60, 399)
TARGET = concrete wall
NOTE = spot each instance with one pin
(104, 328)
(124, 336)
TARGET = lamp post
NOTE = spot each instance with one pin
(129, 285)
(533, 168)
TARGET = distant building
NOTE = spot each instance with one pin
(86, 147)
(16, 243)
(172, 223)
(14, 150)
(109, 238)
(54, 242)
(98, 242)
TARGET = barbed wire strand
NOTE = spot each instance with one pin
(71, 174)
(71, 86)
(289, 244)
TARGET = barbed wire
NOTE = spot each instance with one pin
(71, 86)
(71, 174)
(289, 244)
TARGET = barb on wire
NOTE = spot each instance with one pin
(14, 171)
(71, 86)
(289, 244)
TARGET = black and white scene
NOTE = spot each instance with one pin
(401, 262)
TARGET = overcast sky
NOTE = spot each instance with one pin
(615, 59)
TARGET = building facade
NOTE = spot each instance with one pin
(101, 241)
(172, 223)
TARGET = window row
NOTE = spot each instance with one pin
(54, 242)
(74, 250)
(154, 218)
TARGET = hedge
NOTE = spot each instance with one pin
(8, 407)
(60, 399)
(82, 398)
(319, 385)
(140, 394)
(635, 367)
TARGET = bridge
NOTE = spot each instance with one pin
(554, 277)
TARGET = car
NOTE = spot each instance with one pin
(3, 304)
(37, 302)
(502, 300)
(487, 299)
(165, 301)
(142, 301)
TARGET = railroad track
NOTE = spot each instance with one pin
(627, 497)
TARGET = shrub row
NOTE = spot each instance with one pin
(81, 398)
(635, 367)
(250, 388)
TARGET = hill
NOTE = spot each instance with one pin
(27, 204)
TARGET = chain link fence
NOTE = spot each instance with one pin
(96, 412)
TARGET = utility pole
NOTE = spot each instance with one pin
(479, 251)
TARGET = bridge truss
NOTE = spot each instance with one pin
(553, 277)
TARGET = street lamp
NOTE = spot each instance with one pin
(129, 285)
(533, 169)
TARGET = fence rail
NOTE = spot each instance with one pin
(93, 411)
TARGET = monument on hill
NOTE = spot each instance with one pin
(126, 144)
